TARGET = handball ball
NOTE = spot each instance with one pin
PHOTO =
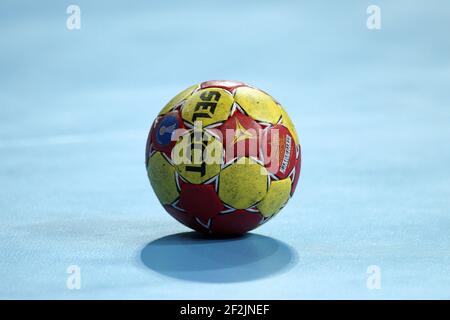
(223, 157)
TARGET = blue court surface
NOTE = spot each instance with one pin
(372, 109)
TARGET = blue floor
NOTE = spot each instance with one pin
(371, 109)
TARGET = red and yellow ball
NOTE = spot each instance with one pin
(223, 157)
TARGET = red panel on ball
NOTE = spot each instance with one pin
(279, 151)
(241, 136)
(200, 200)
(185, 218)
(237, 222)
(224, 84)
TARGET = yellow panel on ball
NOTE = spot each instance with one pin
(276, 198)
(243, 183)
(177, 99)
(162, 178)
(287, 122)
(197, 156)
(208, 106)
(258, 105)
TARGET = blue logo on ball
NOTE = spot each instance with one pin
(165, 129)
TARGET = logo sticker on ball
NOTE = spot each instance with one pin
(165, 129)
(287, 154)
